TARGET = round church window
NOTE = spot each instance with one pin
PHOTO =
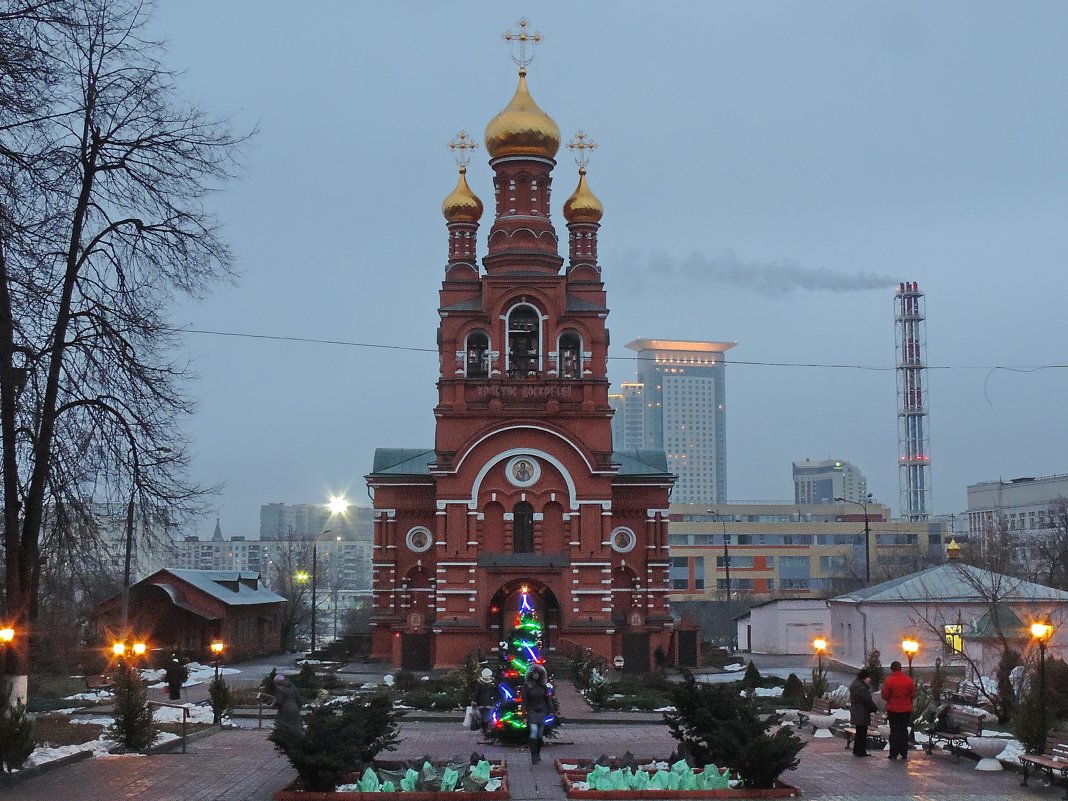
(419, 539)
(623, 540)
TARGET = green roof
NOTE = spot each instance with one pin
(403, 461)
(417, 461)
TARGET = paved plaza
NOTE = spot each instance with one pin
(242, 765)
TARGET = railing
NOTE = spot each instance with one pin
(185, 717)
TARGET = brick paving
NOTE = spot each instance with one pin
(242, 765)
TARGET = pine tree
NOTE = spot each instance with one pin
(16, 736)
(133, 728)
(522, 649)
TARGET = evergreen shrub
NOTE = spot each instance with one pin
(338, 741)
(717, 726)
(133, 729)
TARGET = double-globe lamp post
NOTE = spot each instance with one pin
(867, 534)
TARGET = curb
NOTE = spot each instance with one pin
(7, 779)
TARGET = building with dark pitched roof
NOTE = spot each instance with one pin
(185, 610)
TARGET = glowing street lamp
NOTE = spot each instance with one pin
(7, 634)
(820, 645)
(119, 648)
(217, 647)
(910, 647)
(1042, 631)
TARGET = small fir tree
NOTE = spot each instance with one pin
(339, 742)
(16, 736)
(793, 692)
(133, 729)
(1029, 722)
(752, 677)
(222, 699)
(874, 665)
(717, 726)
(1005, 705)
(938, 682)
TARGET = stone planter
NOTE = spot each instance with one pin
(987, 749)
(294, 791)
(576, 770)
(822, 725)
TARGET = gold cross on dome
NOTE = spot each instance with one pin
(462, 146)
(583, 144)
(523, 37)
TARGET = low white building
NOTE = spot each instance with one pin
(783, 626)
(957, 613)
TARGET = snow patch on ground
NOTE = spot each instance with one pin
(734, 667)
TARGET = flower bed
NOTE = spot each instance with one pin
(657, 783)
(393, 772)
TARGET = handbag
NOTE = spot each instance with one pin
(471, 717)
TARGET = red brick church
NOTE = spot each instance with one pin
(522, 486)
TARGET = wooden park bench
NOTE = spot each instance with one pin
(97, 682)
(957, 726)
(1053, 760)
(963, 691)
(877, 719)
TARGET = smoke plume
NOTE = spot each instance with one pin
(635, 273)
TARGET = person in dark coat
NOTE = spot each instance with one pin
(287, 702)
(175, 675)
(536, 706)
(485, 697)
(861, 706)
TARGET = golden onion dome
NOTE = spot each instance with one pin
(522, 129)
(462, 205)
(583, 206)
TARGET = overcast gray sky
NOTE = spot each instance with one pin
(769, 172)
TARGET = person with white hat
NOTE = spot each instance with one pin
(485, 697)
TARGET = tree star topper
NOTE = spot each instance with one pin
(582, 143)
(523, 37)
(462, 146)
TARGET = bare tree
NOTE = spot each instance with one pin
(289, 575)
(1052, 552)
(104, 172)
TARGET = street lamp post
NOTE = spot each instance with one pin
(1042, 632)
(314, 582)
(910, 647)
(217, 648)
(867, 535)
(820, 645)
(726, 571)
(7, 636)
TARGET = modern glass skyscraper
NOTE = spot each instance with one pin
(682, 395)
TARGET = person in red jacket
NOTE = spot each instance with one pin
(898, 691)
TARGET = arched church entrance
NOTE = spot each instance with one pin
(503, 608)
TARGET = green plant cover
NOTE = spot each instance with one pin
(659, 780)
(711, 778)
(409, 781)
(368, 783)
(389, 787)
(481, 771)
(449, 778)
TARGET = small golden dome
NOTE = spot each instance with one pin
(462, 205)
(522, 129)
(583, 206)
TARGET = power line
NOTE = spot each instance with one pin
(744, 362)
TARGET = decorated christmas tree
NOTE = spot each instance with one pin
(522, 650)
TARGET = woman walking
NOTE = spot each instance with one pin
(536, 706)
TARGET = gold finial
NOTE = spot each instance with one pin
(462, 146)
(584, 145)
(523, 37)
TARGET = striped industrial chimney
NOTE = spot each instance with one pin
(913, 440)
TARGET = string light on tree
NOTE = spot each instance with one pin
(521, 651)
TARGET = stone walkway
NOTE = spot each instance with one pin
(242, 765)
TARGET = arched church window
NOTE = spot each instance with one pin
(477, 354)
(523, 528)
(570, 350)
(524, 342)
